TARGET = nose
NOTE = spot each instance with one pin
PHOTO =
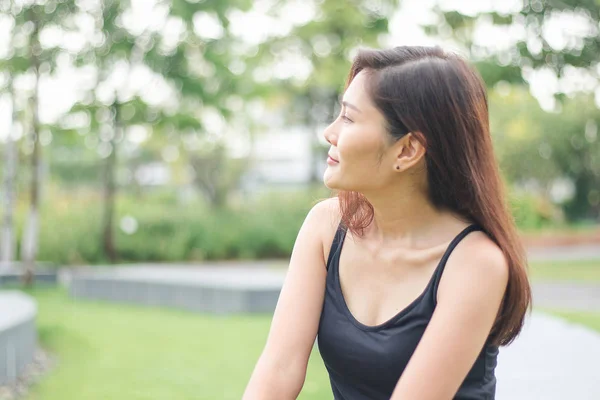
(330, 134)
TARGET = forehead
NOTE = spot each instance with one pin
(357, 88)
(357, 94)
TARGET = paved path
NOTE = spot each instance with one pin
(567, 296)
(564, 253)
(551, 360)
(563, 295)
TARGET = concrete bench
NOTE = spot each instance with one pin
(219, 290)
(12, 273)
(17, 334)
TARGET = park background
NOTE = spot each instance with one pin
(190, 132)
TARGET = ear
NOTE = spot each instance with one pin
(409, 151)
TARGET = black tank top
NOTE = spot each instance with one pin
(365, 362)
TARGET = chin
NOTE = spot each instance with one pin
(333, 179)
(329, 186)
(329, 181)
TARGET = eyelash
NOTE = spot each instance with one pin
(346, 118)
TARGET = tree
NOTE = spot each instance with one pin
(559, 35)
(562, 38)
(30, 18)
(546, 151)
(15, 63)
(7, 241)
(207, 71)
(110, 114)
(30, 234)
(216, 174)
(194, 65)
(326, 43)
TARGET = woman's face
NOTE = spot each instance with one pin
(357, 158)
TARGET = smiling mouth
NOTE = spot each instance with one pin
(332, 159)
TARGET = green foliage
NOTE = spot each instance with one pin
(531, 144)
(532, 212)
(492, 74)
(534, 49)
(169, 231)
(343, 28)
(216, 174)
(456, 20)
(536, 145)
(327, 42)
(29, 19)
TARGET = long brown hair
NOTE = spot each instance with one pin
(439, 98)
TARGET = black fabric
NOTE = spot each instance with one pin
(365, 362)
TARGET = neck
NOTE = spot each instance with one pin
(407, 217)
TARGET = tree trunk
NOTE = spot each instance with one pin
(30, 233)
(579, 207)
(7, 241)
(110, 189)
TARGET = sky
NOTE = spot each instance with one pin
(59, 92)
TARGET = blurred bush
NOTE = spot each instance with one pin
(551, 155)
(160, 228)
(533, 211)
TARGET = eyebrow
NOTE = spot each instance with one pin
(346, 104)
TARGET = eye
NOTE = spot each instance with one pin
(346, 119)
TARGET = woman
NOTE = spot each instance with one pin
(414, 275)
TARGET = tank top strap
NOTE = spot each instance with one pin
(437, 275)
(336, 245)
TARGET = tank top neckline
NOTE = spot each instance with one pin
(341, 236)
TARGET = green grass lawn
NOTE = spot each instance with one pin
(113, 351)
(564, 271)
(108, 351)
(577, 271)
(589, 319)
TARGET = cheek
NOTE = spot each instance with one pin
(359, 147)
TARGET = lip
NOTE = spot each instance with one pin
(331, 160)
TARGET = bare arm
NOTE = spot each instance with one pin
(469, 297)
(281, 369)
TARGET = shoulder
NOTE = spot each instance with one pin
(328, 207)
(325, 217)
(478, 252)
(325, 214)
(477, 264)
(469, 300)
